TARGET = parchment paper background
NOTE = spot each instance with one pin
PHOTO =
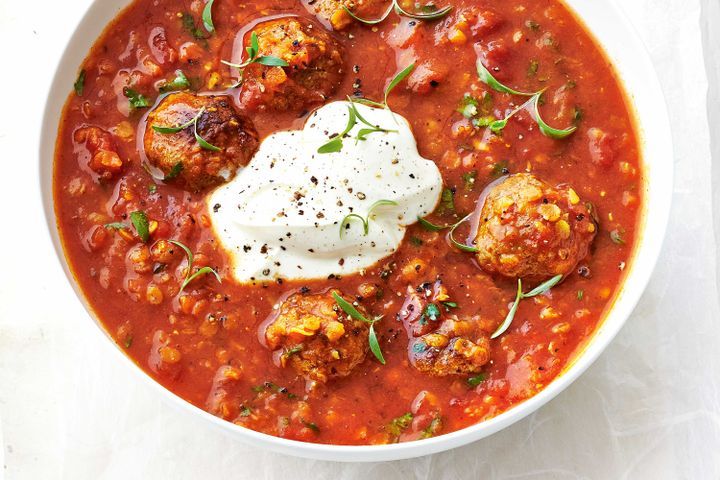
(649, 408)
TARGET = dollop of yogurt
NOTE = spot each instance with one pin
(281, 216)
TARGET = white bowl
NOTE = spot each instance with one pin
(633, 65)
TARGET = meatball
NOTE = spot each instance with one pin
(179, 155)
(530, 229)
(457, 347)
(332, 11)
(312, 335)
(314, 71)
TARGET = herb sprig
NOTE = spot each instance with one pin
(539, 290)
(180, 82)
(349, 309)
(394, 82)
(139, 222)
(428, 225)
(253, 52)
(190, 276)
(192, 123)
(335, 144)
(431, 12)
(532, 104)
(365, 220)
(207, 17)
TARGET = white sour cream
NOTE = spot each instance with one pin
(280, 216)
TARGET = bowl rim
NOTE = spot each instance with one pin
(645, 256)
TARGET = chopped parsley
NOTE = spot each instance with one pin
(447, 199)
(79, 84)
(469, 180)
(136, 99)
(476, 380)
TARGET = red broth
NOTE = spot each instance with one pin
(203, 345)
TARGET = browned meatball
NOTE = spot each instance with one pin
(332, 11)
(530, 229)
(180, 156)
(314, 71)
(456, 347)
(311, 334)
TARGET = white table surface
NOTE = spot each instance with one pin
(648, 408)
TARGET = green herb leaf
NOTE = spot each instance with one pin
(180, 82)
(469, 180)
(168, 130)
(468, 106)
(546, 129)
(334, 145)
(202, 142)
(199, 273)
(533, 68)
(429, 226)
(543, 287)
(580, 294)
(577, 114)
(312, 426)
(193, 122)
(79, 84)
(499, 169)
(540, 289)
(188, 252)
(270, 61)
(188, 23)
(498, 125)
(476, 380)
(189, 277)
(245, 411)
(140, 222)
(432, 429)
(416, 241)
(374, 345)
(447, 199)
(346, 221)
(254, 47)
(511, 314)
(450, 304)
(174, 171)
(350, 310)
(152, 188)
(460, 245)
(398, 425)
(136, 99)
(294, 350)
(207, 17)
(432, 311)
(399, 77)
(487, 78)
